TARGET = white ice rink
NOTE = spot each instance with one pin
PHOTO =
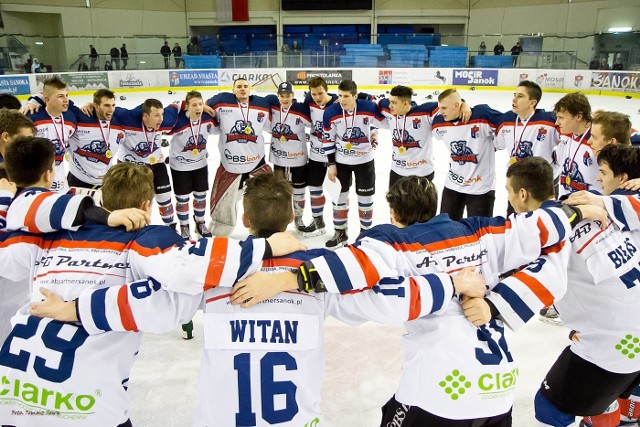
(363, 364)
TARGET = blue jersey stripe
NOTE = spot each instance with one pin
(517, 304)
(97, 309)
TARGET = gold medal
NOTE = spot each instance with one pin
(402, 150)
(108, 154)
(283, 139)
(248, 130)
(567, 181)
(512, 160)
(152, 160)
(66, 157)
(195, 151)
(348, 146)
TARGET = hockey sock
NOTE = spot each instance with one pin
(341, 211)
(165, 207)
(182, 209)
(548, 415)
(317, 201)
(609, 418)
(365, 211)
(199, 205)
(630, 408)
(298, 201)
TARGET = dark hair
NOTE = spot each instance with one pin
(402, 92)
(150, 103)
(27, 159)
(239, 78)
(533, 90)
(268, 202)
(446, 93)
(192, 94)
(102, 93)
(3, 171)
(535, 175)
(614, 125)
(621, 159)
(414, 199)
(9, 101)
(12, 121)
(315, 82)
(348, 86)
(574, 103)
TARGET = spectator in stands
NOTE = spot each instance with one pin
(296, 47)
(115, 57)
(27, 65)
(124, 55)
(165, 51)
(498, 49)
(35, 67)
(482, 49)
(177, 54)
(516, 50)
(604, 65)
(93, 55)
(594, 64)
(617, 65)
(82, 66)
(107, 65)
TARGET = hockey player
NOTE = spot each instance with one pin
(350, 138)
(188, 163)
(273, 349)
(318, 99)
(57, 124)
(600, 364)
(242, 117)
(528, 131)
(288, 153)
(61, 358)
(455, 386)
(470, 183)
(13, 124)
(579, 168)
(609, 127)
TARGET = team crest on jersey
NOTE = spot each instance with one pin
(242, 132)
(298, 120)
(542, 134)
(523, 150)
(462, 154)
(191, 144)
(355, 136)
(365, 121)
(209, 126)
(94, 152)
(144, 149)
(474, 131)
(571, 178)
(59, 151)
(317, 130)
(260, 117)
(587, 159)
(120, 137)
(283, 130)
(407, 141)
(417, 122)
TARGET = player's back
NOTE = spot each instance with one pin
(264, 365)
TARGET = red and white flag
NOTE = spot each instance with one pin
(233, 10)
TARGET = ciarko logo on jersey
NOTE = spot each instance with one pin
(490, 385)
(629, 346)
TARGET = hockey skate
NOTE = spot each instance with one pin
(299, 224)
(338, 239)
(316, 228)
(550, 315)
(187, 330)
(185, 232)
(201, 228)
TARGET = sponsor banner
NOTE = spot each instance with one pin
(475, 77)
(193, 78)
(577, 79)
(421, 77)
(610, 80)
(550, 78)
(511, 78)
(135, 79)
(253, 76)
(77, 81)
(15, 85)
(385, 77)
(332, 77)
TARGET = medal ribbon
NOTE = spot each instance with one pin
(353, 119)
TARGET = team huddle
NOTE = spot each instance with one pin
(82, 275)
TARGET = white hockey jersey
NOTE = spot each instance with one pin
(50, 367)
(270, 358)
(189, 142)
(411, 135)
(472, 166)
(288, 133)
(451, 368)
(579, 165)
(316, 147)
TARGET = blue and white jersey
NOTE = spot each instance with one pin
(241, 143)
(472, 165)
(578, 165)
(59, 130)
(189, 142)
(348, 133)
(411, 135)
(536, 136)
(288, 133)
(316, 146)
(142, 145)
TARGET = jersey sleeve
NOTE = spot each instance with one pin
(5, 200)
(195, 267)
(170, 117)
(18, 253)
(46, 212)
(624, 211)
(141, 306)
(329, 132)
(394, 301)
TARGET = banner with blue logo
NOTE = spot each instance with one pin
(193, 78)
(471, 77)
(15, 85)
